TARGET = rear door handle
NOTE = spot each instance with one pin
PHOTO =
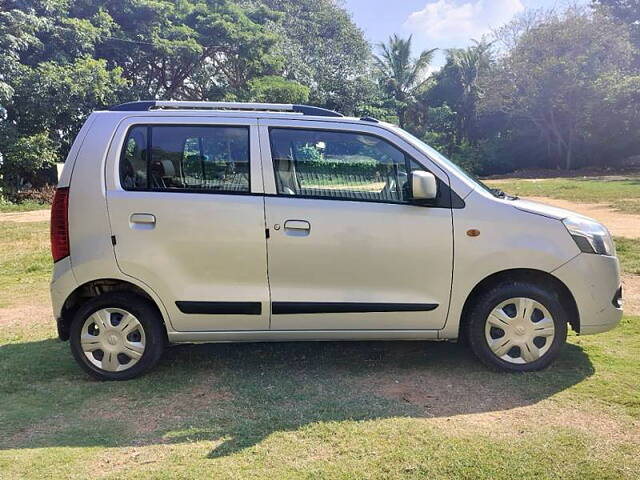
(297, 227)
(142, 221)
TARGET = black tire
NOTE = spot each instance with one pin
(145, 313)
(484, 304)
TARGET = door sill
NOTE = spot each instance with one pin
(300, 335)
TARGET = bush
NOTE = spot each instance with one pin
(329, 167)
(43, 195)
(26, 161)
(487, 157)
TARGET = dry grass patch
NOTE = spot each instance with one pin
(117, 462)
(146, 421)
(619, 224)
(25, 217)
(621, 194)
(631, 294)
(438, 394)
(547, 415)
(26, 316)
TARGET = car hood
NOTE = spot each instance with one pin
(546, 210)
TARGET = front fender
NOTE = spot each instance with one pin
(509, 239)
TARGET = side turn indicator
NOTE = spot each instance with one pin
(473, 232)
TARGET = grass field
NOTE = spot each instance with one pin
(628, 250)
(307, 410)
(621, 194)
(7, 207)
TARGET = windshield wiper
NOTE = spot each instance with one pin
(496, 192)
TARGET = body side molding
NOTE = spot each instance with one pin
(285, 308)
(220, 308)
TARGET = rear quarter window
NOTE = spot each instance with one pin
(199, 158)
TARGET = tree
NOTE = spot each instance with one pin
(469, 65)
(324, 50)
(25, 160)
(192, 49)
(401, 75)
(550, 79)
(624, 11)
(60, 60)
(278, 90)
(48, 106)
(460, 86)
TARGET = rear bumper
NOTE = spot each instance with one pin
(63, 283)
(594, 281)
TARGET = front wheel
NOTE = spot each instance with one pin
(117, 336)
(517, 326)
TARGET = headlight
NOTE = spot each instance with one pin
(590, 236)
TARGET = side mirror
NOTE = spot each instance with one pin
(424, 185)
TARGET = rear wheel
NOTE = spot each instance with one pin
(517, 326)
(117, 336)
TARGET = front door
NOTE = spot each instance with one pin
(186, 219)
(347, 248)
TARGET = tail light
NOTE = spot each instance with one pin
(60, 224)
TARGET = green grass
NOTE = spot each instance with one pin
(628, 250)
(25, 261)
(308, 410)
(9, 207)
(322, 409)
(623, 195)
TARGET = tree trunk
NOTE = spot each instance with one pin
(569, 155)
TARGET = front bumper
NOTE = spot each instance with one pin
(594, 281)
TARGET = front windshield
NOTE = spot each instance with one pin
(433, 153)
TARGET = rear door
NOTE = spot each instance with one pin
(348, 249)
(185, 203)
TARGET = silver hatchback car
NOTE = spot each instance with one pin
(181, 222)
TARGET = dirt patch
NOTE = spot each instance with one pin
(23, 217)
(548, 415)
(438, 394)
(33, 432)
(158, 417)
(619, 224)
(25, 315)
(471, 407)
(631, 294)
(113, 461)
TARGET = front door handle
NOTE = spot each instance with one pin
(297, 228)
(142, 221)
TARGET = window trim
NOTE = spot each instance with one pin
(149, 127)
(449, 199)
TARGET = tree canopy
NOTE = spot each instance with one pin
(60, 60)
(402, 76)
(550, 89)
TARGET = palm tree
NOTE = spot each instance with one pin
(400, 74)
(469, 64)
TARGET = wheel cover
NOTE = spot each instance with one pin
(112, 339)
(519, 330)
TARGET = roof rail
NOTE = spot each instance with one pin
(146, 105)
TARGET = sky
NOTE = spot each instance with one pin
(438, 23)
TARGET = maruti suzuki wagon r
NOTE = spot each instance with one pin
(178, 222)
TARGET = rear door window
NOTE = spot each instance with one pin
(186, 158)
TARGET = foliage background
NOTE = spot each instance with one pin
(551, 89)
